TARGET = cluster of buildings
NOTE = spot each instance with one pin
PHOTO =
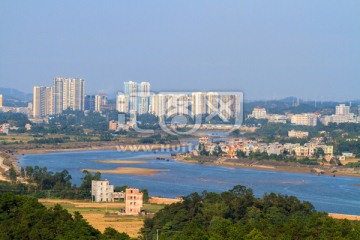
(66, 93)
(69, 93)
(260, 113)
(251, 146)
(25, 110)
(102, 191)
(342, 115)
(138, 98)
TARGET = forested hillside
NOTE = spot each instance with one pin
(23, 217)
(237, 214)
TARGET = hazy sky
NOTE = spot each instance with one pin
(266, 49)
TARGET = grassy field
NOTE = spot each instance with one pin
(103, 215)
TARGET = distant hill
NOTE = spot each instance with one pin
(10, 93)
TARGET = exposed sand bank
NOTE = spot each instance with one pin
(129, 170)
(166, 201)
(344, 216)
(122, 161)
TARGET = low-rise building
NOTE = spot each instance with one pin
(133, 201)
(306, 119)
(113, 125)
(301, 151)
(276, 118)
(258, 113)
(298, 134)
(101, 191)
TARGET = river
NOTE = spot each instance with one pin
(330, 194)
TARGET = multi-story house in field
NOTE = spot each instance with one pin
(133, 201)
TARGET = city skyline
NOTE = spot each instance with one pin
(305, 49)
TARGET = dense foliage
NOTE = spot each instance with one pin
(237, 214)
(23, 217)
(16, 119)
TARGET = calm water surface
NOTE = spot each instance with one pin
(330, 194)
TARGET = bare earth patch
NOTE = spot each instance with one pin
(94, 213)
(344, 216)
(122, 161)
(130, 225)
(166, 201)
(129, 170)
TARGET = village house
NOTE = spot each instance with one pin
(102, 191)
(133, 201)
(298, 134)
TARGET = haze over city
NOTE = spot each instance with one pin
(267, 49)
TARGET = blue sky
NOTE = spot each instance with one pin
(270, 48)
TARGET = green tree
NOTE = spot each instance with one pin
(12, 174)
(145, 195)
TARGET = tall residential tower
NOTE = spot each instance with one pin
(68, 94)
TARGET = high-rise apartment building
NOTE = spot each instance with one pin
(158, 105)
(89, 104)
(198, 103)
(143, 97)
(1, 100)
(100, 101)
(122, 103)
(229, 107)
(42, 101)
(68, 94)
(212, 103)
(130, 90)
(138, 96)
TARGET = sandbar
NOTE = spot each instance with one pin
(122, 161)
(129, 170)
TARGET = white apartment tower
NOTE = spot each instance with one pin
(229, 106)
(68, 93)
(122, 103)
(143, 97)
(99, 102)
(42, 101)
(130, 90)
(158, 105)
(198, 103)
(138, 96)
(212, 103)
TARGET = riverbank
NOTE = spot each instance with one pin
(275, 166)
(117, 147)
